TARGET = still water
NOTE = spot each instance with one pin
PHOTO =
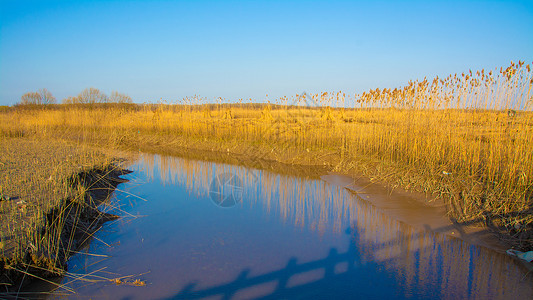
(202, 230)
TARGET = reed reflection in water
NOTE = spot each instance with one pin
(419, 260)
(288, 237)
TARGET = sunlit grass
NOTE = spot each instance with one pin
(466, 138)
(44, 187)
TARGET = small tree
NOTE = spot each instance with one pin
(30, 98)
(46, 97)
(92, 95)
(117, 97)
(42, 96)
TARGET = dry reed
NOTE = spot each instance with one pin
(466, 138)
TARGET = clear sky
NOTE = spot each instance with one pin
(232, 49)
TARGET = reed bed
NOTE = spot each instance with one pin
(467, 138)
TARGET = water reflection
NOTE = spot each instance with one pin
(313, 204)
(418, 259)
(288, 237)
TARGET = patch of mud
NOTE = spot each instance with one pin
(416, 210)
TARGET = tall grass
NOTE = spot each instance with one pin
(467, 138)
(48, 206)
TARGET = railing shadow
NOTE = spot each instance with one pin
(284, 287)
(356, 269)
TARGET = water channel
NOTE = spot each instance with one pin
(202, 230)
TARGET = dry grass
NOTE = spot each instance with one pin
(47, 210)
(36, 177)
(466, 138)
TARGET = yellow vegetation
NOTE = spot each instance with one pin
(467, 138)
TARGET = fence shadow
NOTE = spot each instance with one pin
(352, 273)
(282, 284)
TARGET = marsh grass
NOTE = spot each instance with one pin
(51, 191)
(467, 139)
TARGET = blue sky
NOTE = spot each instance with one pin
(168, 50)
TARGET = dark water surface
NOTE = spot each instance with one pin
(202, 230)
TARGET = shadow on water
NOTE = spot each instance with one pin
(448, 271)
(334, 269)
(287, 237)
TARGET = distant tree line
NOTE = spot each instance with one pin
(87, 96)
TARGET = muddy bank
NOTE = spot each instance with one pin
(416, 210)
(422, 212)
(65, 229)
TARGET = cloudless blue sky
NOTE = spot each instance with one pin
(167, 50)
